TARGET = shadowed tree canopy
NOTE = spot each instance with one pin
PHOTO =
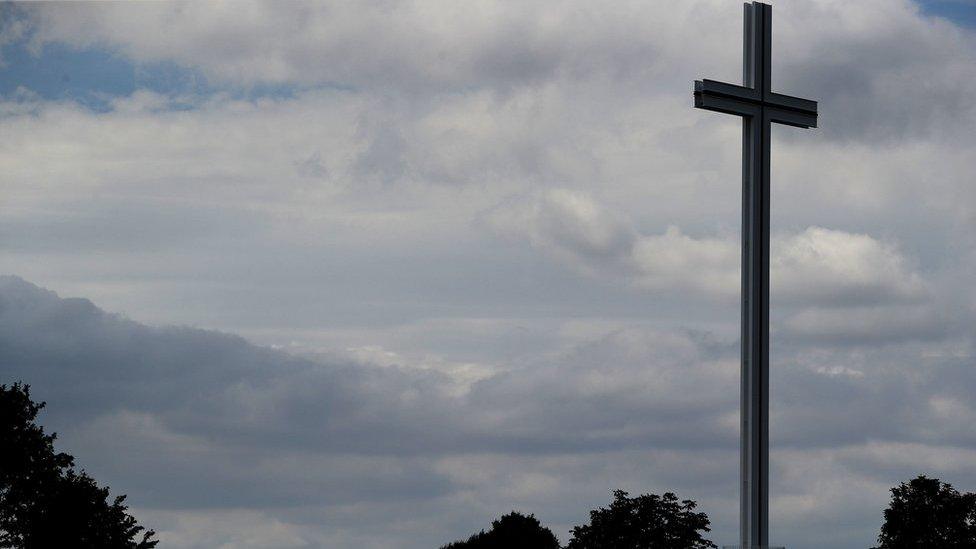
(512, 531)
(644, 522)
(44, 502)
(926, 512)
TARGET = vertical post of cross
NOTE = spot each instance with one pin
(759, 107)
(754, 492)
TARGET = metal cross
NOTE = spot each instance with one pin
(758, 107)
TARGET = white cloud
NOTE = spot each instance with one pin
(869, 325)
(814, 267)
(677, 261)
(569, 224)
(832, 267)
(463, 374)
(226, 529)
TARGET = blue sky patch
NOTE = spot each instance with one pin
(92, 77)
(962, 12)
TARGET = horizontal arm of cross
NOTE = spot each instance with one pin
(743, 101)
(726, 103)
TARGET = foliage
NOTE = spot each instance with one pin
(644, 522)
(928, 513)
(44, 502)
(512, 531)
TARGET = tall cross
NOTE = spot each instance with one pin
(758, 107)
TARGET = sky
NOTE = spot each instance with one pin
(369, 275)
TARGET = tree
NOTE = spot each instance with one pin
(926, 512)
(44, 502)
(512, 531)
(645, 522)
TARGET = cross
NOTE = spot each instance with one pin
(759, 108)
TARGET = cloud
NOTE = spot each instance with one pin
(665, 261)
(832, 267)
(239, 529)
(12, 29)
(419, 45)
(395, 171)
(567, 223)
(328, 192)
(189, 419)
(860, 61)
(869, 325)
(814, 267)
(830, 61)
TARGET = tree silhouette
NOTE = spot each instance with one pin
(646, 521)
(512, 531)
(44, 502)
(926, 512)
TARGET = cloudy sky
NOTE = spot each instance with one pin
(370, 274)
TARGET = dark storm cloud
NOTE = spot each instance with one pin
(210, 384)
(202, 382)
(631, 388)
(192, 419)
